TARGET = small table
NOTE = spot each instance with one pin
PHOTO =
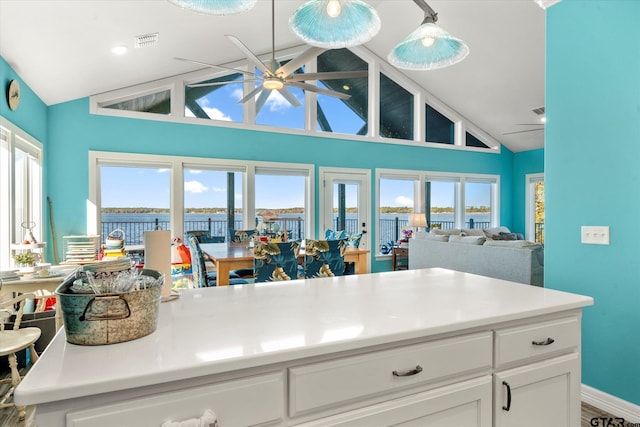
(400, 258)
(231, 257)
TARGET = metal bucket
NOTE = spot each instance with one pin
(91, 319)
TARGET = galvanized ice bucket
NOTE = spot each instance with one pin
(91, 319)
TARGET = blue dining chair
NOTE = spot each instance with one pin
(324, 258)
(276, 261)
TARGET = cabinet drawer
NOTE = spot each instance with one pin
(535, 340)
(245, 402)
(342, 381)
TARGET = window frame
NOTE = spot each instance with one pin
(419, 202)
(11, 232)
(176, 166)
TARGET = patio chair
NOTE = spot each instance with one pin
(14, 340)
(324, 258)
(276, 261)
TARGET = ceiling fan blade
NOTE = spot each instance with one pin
(316, 89)
(251, 94)
(289, 96)
(299, 61)
(328, 75)
(220, 83)
(262, 99)
(522, 131)
(250, 55)
(206, 64)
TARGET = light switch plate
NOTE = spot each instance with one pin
(595, 235)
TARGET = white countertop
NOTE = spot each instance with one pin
(214, 330)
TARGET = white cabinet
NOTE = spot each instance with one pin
(539, 394)
(463, 404)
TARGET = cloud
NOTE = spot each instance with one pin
(212, 112)
(404, 201)
(195, 187)
(163, 170)
(237, 94)
(277, 102)
(195, 171)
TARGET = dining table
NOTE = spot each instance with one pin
(228, 257)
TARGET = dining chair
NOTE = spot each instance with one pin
(202, 278)
(14, 340)
(324, 258)
(353, 241)
(276, 261)
(240, 236)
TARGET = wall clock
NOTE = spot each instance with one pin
(13, 94)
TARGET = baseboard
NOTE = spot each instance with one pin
(611, 404)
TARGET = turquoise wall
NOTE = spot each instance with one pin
(524, 163)
(73, 132)
(592, 177)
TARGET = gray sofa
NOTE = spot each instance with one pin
(515, 260)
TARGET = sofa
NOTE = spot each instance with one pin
(495, 252)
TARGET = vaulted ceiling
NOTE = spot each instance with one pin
(62, 50)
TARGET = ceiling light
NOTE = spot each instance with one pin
(429, 47)
(335, 24)
(216, 7)
(119, 50)
(272, 83)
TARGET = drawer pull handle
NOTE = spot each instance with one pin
(548, 341)
(506, 408)
(408, 372)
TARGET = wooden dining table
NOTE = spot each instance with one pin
(228, 257)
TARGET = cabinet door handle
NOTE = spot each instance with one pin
(408, 372)
(506, 384)
(548, 341)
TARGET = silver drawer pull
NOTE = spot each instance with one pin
(548, 341)
(408, 372)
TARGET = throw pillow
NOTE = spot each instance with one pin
(505, 236)
(472, 232)
(451, 232)
(495, 231)
(468, 240)
(437, 238)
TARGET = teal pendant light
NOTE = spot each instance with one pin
(335, 24)
(216, 7)
(429, 47)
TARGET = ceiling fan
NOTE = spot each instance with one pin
(273, 76)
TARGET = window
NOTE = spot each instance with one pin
(188, 194)
(216, 102)
(134, 199)
(343, 116)
(472, 141)
(396, 115)
(212, 201)
(439, 129)
(535, 208)
(449, 200)
(158, 103)
(283, 192)
(20, 188)
(396, 195)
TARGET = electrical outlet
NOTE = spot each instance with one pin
(595, 235)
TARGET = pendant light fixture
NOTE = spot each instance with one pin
(216, 7)
(334, 24)
(429, 47)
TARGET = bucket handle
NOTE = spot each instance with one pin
(84, 316)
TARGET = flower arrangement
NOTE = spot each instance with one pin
(407, 233)
(25, 258)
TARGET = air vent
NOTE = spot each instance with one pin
(539, 111)
(147, 40)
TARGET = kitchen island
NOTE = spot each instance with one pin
(432, 346)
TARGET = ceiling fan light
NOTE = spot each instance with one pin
(414, 54)
(272, 84)
(356, 23)
(216, 7)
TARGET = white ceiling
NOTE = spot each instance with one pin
(62, 50)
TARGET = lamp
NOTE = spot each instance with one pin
(429, 47)
(216, 7)
(417, 220)
(335, 24)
